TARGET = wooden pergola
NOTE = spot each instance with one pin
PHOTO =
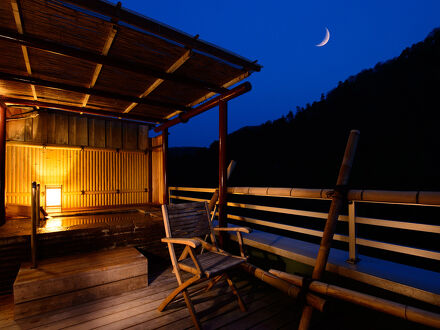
(93, 57)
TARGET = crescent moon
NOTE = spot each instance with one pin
(325, 40)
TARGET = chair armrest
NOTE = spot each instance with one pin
(187, 241)
(236, 229)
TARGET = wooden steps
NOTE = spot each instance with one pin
(72, 280)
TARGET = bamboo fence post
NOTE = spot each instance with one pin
(338, 200)
(406, 312)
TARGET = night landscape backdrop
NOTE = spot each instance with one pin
(394, 104)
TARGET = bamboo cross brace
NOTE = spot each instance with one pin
(338, 200)
(406, 312)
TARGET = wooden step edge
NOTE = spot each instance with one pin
(32, 290)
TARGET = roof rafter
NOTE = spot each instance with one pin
(85, 90)
(60, 49)
(80, 110)
(105, 50)
(19, 24)
(159, 81)
(207, 96)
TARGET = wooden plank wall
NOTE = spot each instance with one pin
(59, 128)
(98, 162)
(157, 171)
(89, 178)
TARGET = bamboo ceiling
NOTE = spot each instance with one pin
(100, 56)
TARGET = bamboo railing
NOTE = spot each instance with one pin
(416, 198)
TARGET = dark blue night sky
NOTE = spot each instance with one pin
(282, 35)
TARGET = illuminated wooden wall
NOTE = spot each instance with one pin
(89, 178)
(115, 164)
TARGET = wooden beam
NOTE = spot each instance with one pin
(85, 90)
(65, 50)
(18, 23)
(2, 161)
(222, 168)
(80, 110)
(210, 94)
(157, 82)
(98, 67)
(165, 165)
(164, 31)
(236, 91)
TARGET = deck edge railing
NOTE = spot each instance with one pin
(420, 198)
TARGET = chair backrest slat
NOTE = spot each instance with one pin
(188, 220)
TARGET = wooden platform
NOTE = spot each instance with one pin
(70, 235)
(68, 281)
(217, 309)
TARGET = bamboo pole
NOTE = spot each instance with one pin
(339, 198)
(289, 289)
(214, 198)
(406, 312)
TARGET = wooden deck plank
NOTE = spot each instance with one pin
(175, 310)
(180, 318)
(101, 307)
(251, 319)
(231, 317)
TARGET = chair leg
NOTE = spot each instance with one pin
(235, 291)
(191, 310)
(178, 290)
(213, 282)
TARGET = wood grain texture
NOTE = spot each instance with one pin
(61, 282)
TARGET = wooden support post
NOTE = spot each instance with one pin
(34, 224)
(164, 165)
(150, 170)
(222, 170)
(338, 200)
(2, 162)
(37, 204)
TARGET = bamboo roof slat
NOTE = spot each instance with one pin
(145, 49)
(5, 13)
(60, 68)
(11, 59)
(16, 89)
(102, 102)
(208, 69)
(60, 41)
(165, 31)
(152, 111)
(56, 96)
(53, 21)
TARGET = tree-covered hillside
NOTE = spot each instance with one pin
(395, 105)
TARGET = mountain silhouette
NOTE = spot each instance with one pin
(396, 107)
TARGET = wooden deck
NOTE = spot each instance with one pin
(138, 309)
(217, 309)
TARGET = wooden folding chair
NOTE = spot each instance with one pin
(188, 224)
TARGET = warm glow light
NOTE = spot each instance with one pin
(53, 196)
